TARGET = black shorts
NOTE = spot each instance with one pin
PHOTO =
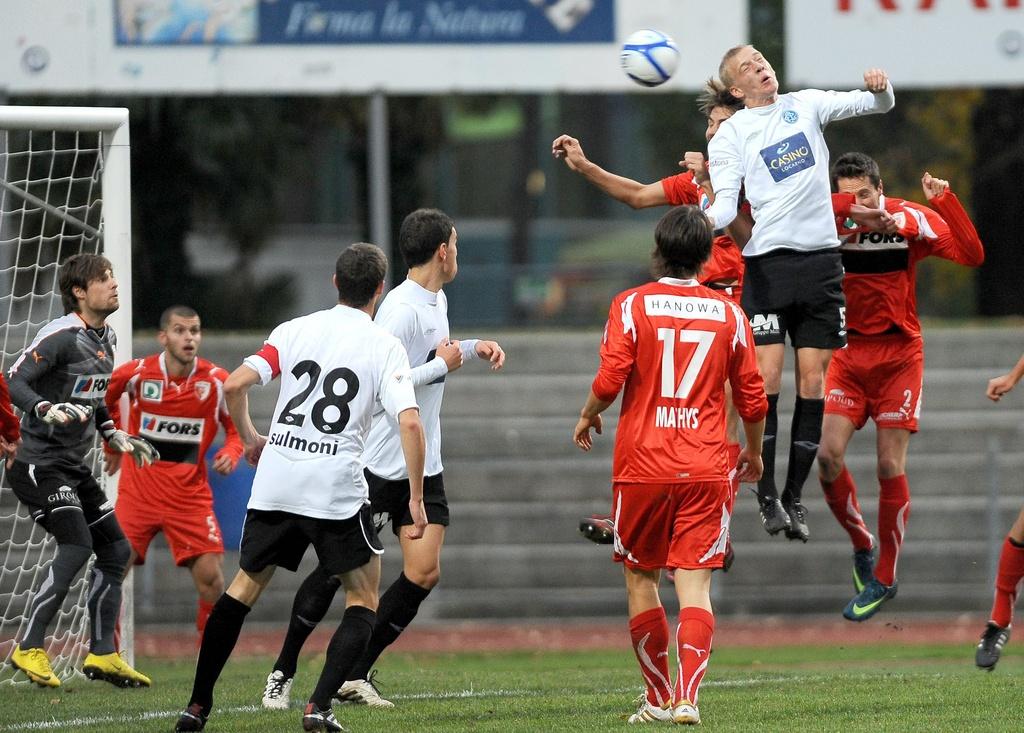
(390, 500)
(799, 293)
(281, 538)
(44, 489)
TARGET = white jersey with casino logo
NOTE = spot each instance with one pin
(335, 365)
(779, 156)
(419, 319)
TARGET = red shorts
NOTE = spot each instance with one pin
(682, 525)
(878, 377)
(189, 525)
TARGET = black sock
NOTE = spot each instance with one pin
(398, 607)
(51, 593)
(347, 645)
(766, 485)
(311, 603)
(219, 640)
(803, 447)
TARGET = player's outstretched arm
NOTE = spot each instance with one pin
(962, 245)
(414, 448)
(1001, 385)
(236, 395)
(632, 193)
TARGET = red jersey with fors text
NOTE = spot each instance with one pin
(880, 278)
(726, 262)
(670, 346)
(179, 416)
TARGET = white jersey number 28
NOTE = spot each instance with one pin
(330, 414)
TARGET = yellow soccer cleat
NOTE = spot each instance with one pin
(36, 665)
(113, 669)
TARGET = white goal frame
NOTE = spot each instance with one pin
(116, 239)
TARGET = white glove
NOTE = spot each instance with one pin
(63, 413)
(141, 450)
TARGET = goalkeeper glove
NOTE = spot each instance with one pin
(62, 413)
(141, 450)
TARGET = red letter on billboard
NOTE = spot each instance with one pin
(846, 5)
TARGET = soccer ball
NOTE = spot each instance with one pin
(649, 58)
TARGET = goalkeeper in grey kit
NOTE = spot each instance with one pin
(59, 382)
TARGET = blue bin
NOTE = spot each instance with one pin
(230, 497)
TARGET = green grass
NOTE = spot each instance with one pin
(913, 688)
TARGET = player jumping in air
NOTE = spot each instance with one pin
(775, 151)
(176, 402)
(670, 346)
(879, 373)
(416, 313)
(59, 383)
(335, 366)
(1011, 558)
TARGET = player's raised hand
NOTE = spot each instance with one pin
(451, 353)
(581, 433)
(492, 352)
(224, 463)
(568, 147)
(999, 386)
(418, 513)
(933, 186)
(254, 450)
(875, 80)
(873, 220)
(695, 162)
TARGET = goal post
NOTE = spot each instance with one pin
(65, 187)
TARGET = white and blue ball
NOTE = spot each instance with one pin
(649, 57)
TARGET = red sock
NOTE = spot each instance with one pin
(693, 647)
(202, 614)
(893, 513)
(841, 497)
(649, 631)
(734, 458)
(1011, 570)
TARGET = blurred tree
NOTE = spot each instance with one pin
(999, 137)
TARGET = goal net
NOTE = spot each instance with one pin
(64, 190)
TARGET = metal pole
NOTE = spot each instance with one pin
(379, 177)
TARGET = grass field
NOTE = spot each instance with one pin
(858, 688)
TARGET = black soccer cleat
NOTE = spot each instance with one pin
(797, 529)
(320, 719)
(773, 516)
(193, 718)
(991, 646)
(598, 528)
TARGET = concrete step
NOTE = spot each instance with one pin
(534, 437)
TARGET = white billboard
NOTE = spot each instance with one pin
(349, 46)
(921, 43)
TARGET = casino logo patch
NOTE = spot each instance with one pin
(788, 157)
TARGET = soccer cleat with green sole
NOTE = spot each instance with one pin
(867, 603)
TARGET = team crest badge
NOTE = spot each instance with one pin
(152, 389)
(202, 390)
(790, 116)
